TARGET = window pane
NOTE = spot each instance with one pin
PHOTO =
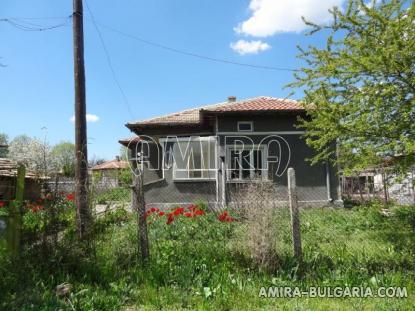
(195, 158)
(257, 162)
(245, 126)
(234, 164)
(246, 164)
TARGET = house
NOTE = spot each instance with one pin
(8, 178)
(213, 153)
(109, 173)
(381, 182)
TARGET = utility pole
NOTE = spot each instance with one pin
(83, 215)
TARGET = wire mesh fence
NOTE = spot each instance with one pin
(382, 185)
(48, 221)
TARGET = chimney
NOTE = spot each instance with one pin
(231, 99)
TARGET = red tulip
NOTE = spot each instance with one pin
(70, 197)
(199, 212)
(192, 207)
(178, 211)
(224, 217)
(170, 218)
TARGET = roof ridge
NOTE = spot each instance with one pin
(193, 117)
(175, 113)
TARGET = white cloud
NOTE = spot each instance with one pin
(249, 47)
(270, 17)
(89, 118)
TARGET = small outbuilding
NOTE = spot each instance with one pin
(110, 173)
(8, 178)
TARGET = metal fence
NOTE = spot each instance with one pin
(380, 185)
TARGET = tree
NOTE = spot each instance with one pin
(95, 161)
(33, 153)
(359, 88)
(63, 157)
(124, 153)
(4, 139)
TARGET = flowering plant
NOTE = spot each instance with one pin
(50, 209)
(191, 211)
(4, 208)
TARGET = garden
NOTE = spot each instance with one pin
(207, 260)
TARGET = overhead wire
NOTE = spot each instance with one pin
(31, 27)
(192, 54)
(107, 54)
(23, 24)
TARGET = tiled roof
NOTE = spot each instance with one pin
(8, 168)
(259, 104)
(111, 165)
(130, 140)
(192, 116)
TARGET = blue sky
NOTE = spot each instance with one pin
(37, 89)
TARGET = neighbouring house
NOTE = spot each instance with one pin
(380, 182)
(212, 153)
(8, 178)
(109, 173)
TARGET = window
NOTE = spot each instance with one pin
(245, 126)
(194, 159)
(246, 163)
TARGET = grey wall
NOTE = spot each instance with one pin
(262, 123)
(311, 180)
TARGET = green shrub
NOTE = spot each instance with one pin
(114, 195)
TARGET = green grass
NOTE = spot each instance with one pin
(204, 264)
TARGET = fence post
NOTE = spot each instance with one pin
(15, 221)
(138, 205)
(295, 217)
(385, 186)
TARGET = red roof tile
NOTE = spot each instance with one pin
(131, 140)
(259, 104)
(192, 116)
(111, 165)
(8, 168)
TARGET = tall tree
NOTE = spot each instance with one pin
(359, 88)
(63, 155)
(4, 140)
(33, 153)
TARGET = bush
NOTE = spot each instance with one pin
(114, 195)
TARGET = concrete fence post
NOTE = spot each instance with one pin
(138, 205)
(295, 217)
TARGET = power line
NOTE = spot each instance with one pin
(114, 76)
(152, 43)
(39, 18)
(183, 52)
(23, 24)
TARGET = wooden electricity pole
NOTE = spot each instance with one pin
(83, 214)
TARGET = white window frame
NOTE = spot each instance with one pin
(251, 148)
(212, 172)
(251, 123)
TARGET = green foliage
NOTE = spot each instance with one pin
(359, 88)
(114, 195)
(125, 177)
(124, 153)
(63, 155)
(201, 263)
(4, 140)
